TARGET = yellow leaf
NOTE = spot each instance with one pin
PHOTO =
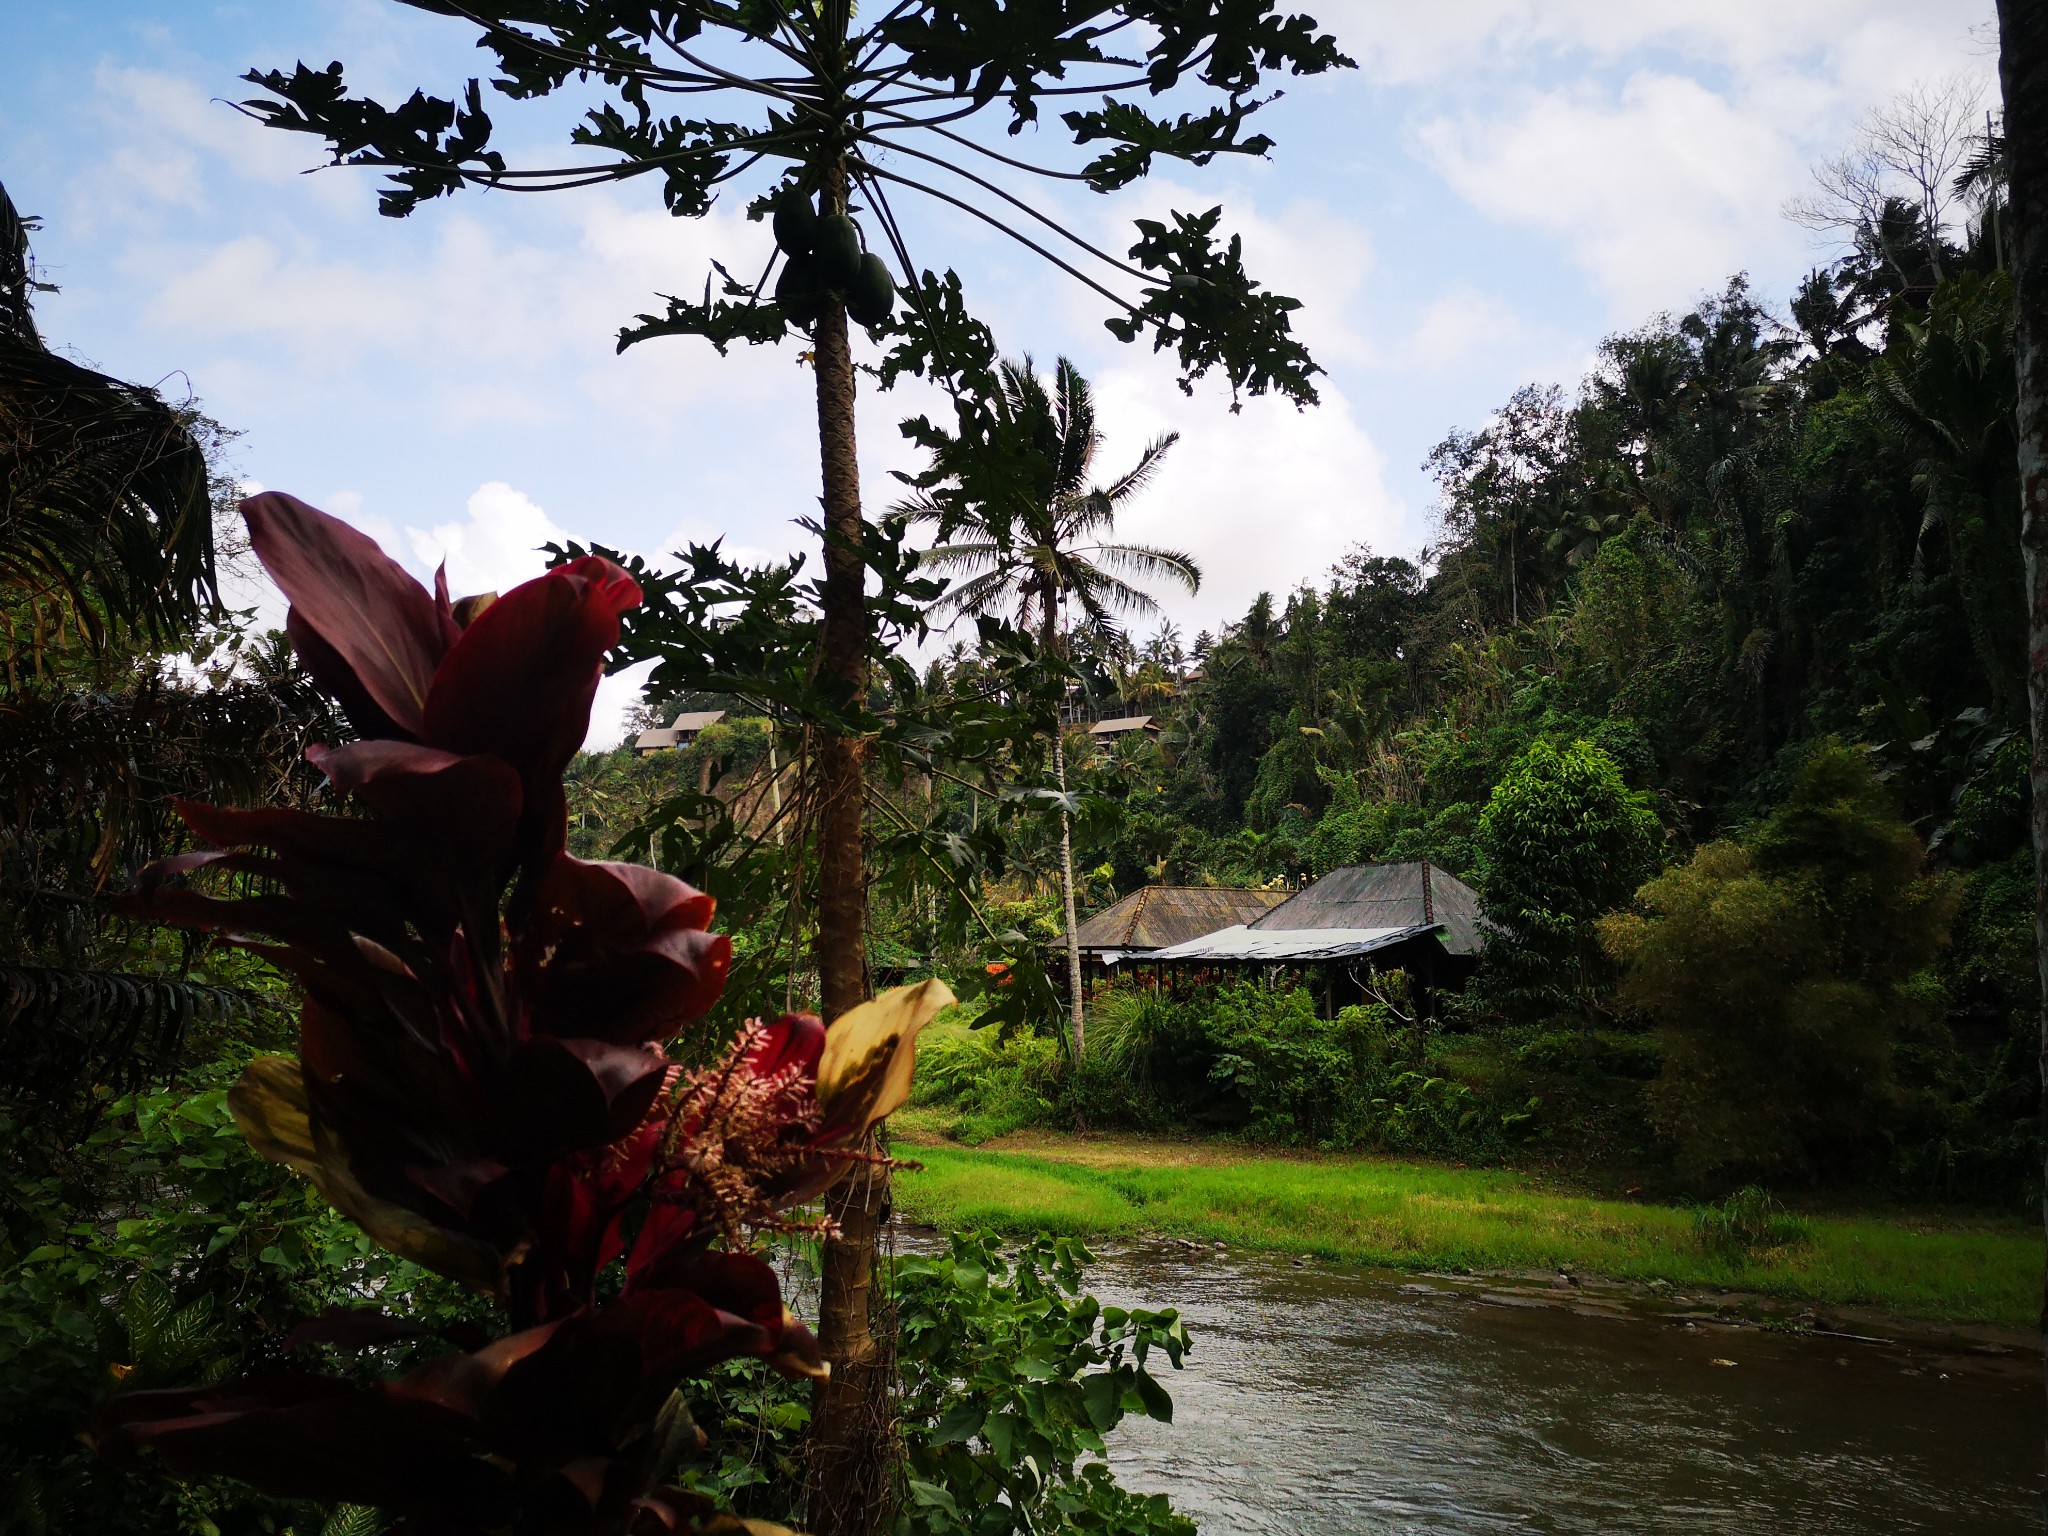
(864, 1073)
(270, 1108)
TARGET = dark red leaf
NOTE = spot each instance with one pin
(519, 682)
(334, 675)
(378, 620)
(355, 1328)
(309, 1437)
(564, 1095)
(794, 1040)
(619, 952)
(444, 805)
(668, 1239)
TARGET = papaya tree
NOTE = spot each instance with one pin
(827, 112)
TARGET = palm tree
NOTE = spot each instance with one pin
(105, 506)
(1038, 541)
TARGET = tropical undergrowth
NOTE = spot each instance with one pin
(1242, 1060)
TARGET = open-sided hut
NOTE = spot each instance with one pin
(1351, 923)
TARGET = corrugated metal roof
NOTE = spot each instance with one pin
(1159, 915)
(1386, 895)
(696, 720)
(1281, 944)
(1123, 725)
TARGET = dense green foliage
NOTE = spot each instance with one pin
(1561, 841)
(1755, 551)
(1783, 971)
(1244, 1060)
(1012, 1377)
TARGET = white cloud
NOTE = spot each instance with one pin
(1658, 194)
(1459, 325)
(1404, 43)
(1662, 180)
(617, 697)
(1263, 500)
(497, 545)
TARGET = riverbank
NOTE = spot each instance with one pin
(1420, 1216)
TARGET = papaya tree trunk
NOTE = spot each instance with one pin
(2023, 74)
(851, 1433)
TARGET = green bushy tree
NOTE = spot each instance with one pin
(1781, 972)
(1562, 841)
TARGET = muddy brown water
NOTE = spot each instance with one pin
(1326, 1401)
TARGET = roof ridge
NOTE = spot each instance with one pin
(1137, 912)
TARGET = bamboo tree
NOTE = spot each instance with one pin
(805, 97)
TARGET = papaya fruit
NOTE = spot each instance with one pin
(798, 292)
(837, 252)
(872, 294)
(795, 222)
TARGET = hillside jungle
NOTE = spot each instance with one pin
(1711, 681)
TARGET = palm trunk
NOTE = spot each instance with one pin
(1049, 640)
(2023, 73)
(1059, 764)
(851, 1436)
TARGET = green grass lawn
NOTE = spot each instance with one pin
(1413, 1215)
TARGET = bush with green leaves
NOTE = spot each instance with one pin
(1749, 1221)
(1781, 972)
(1012, 1378)
(1258, 1062)
(998, 1083)
(160, 1251)
(1562, 841)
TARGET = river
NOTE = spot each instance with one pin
(1320, 1401)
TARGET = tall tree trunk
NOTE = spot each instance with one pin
(1059, 763)
(852, 1434)
(1050, 639)
(2023, 73)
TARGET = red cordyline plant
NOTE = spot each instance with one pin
(481, 1082)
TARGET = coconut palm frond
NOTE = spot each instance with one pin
(17, 322)
(1136, 478)
(990, 590)
(1114, 593)
(1154, 563)
(1074, 416)
(953, 557)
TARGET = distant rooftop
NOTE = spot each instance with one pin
(1123, 725)
(1296, 944)
(1385, 896)
(1159, 915)
(680, 734)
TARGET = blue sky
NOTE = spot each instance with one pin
(1500, 184)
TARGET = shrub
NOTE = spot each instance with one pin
(1749, 1221)
(1258, 1062)
(1562, 840)
(1780, 973)
(999, 1085)
(1012, 1376)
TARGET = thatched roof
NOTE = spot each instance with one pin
(1160, 915)
(1385, 896)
